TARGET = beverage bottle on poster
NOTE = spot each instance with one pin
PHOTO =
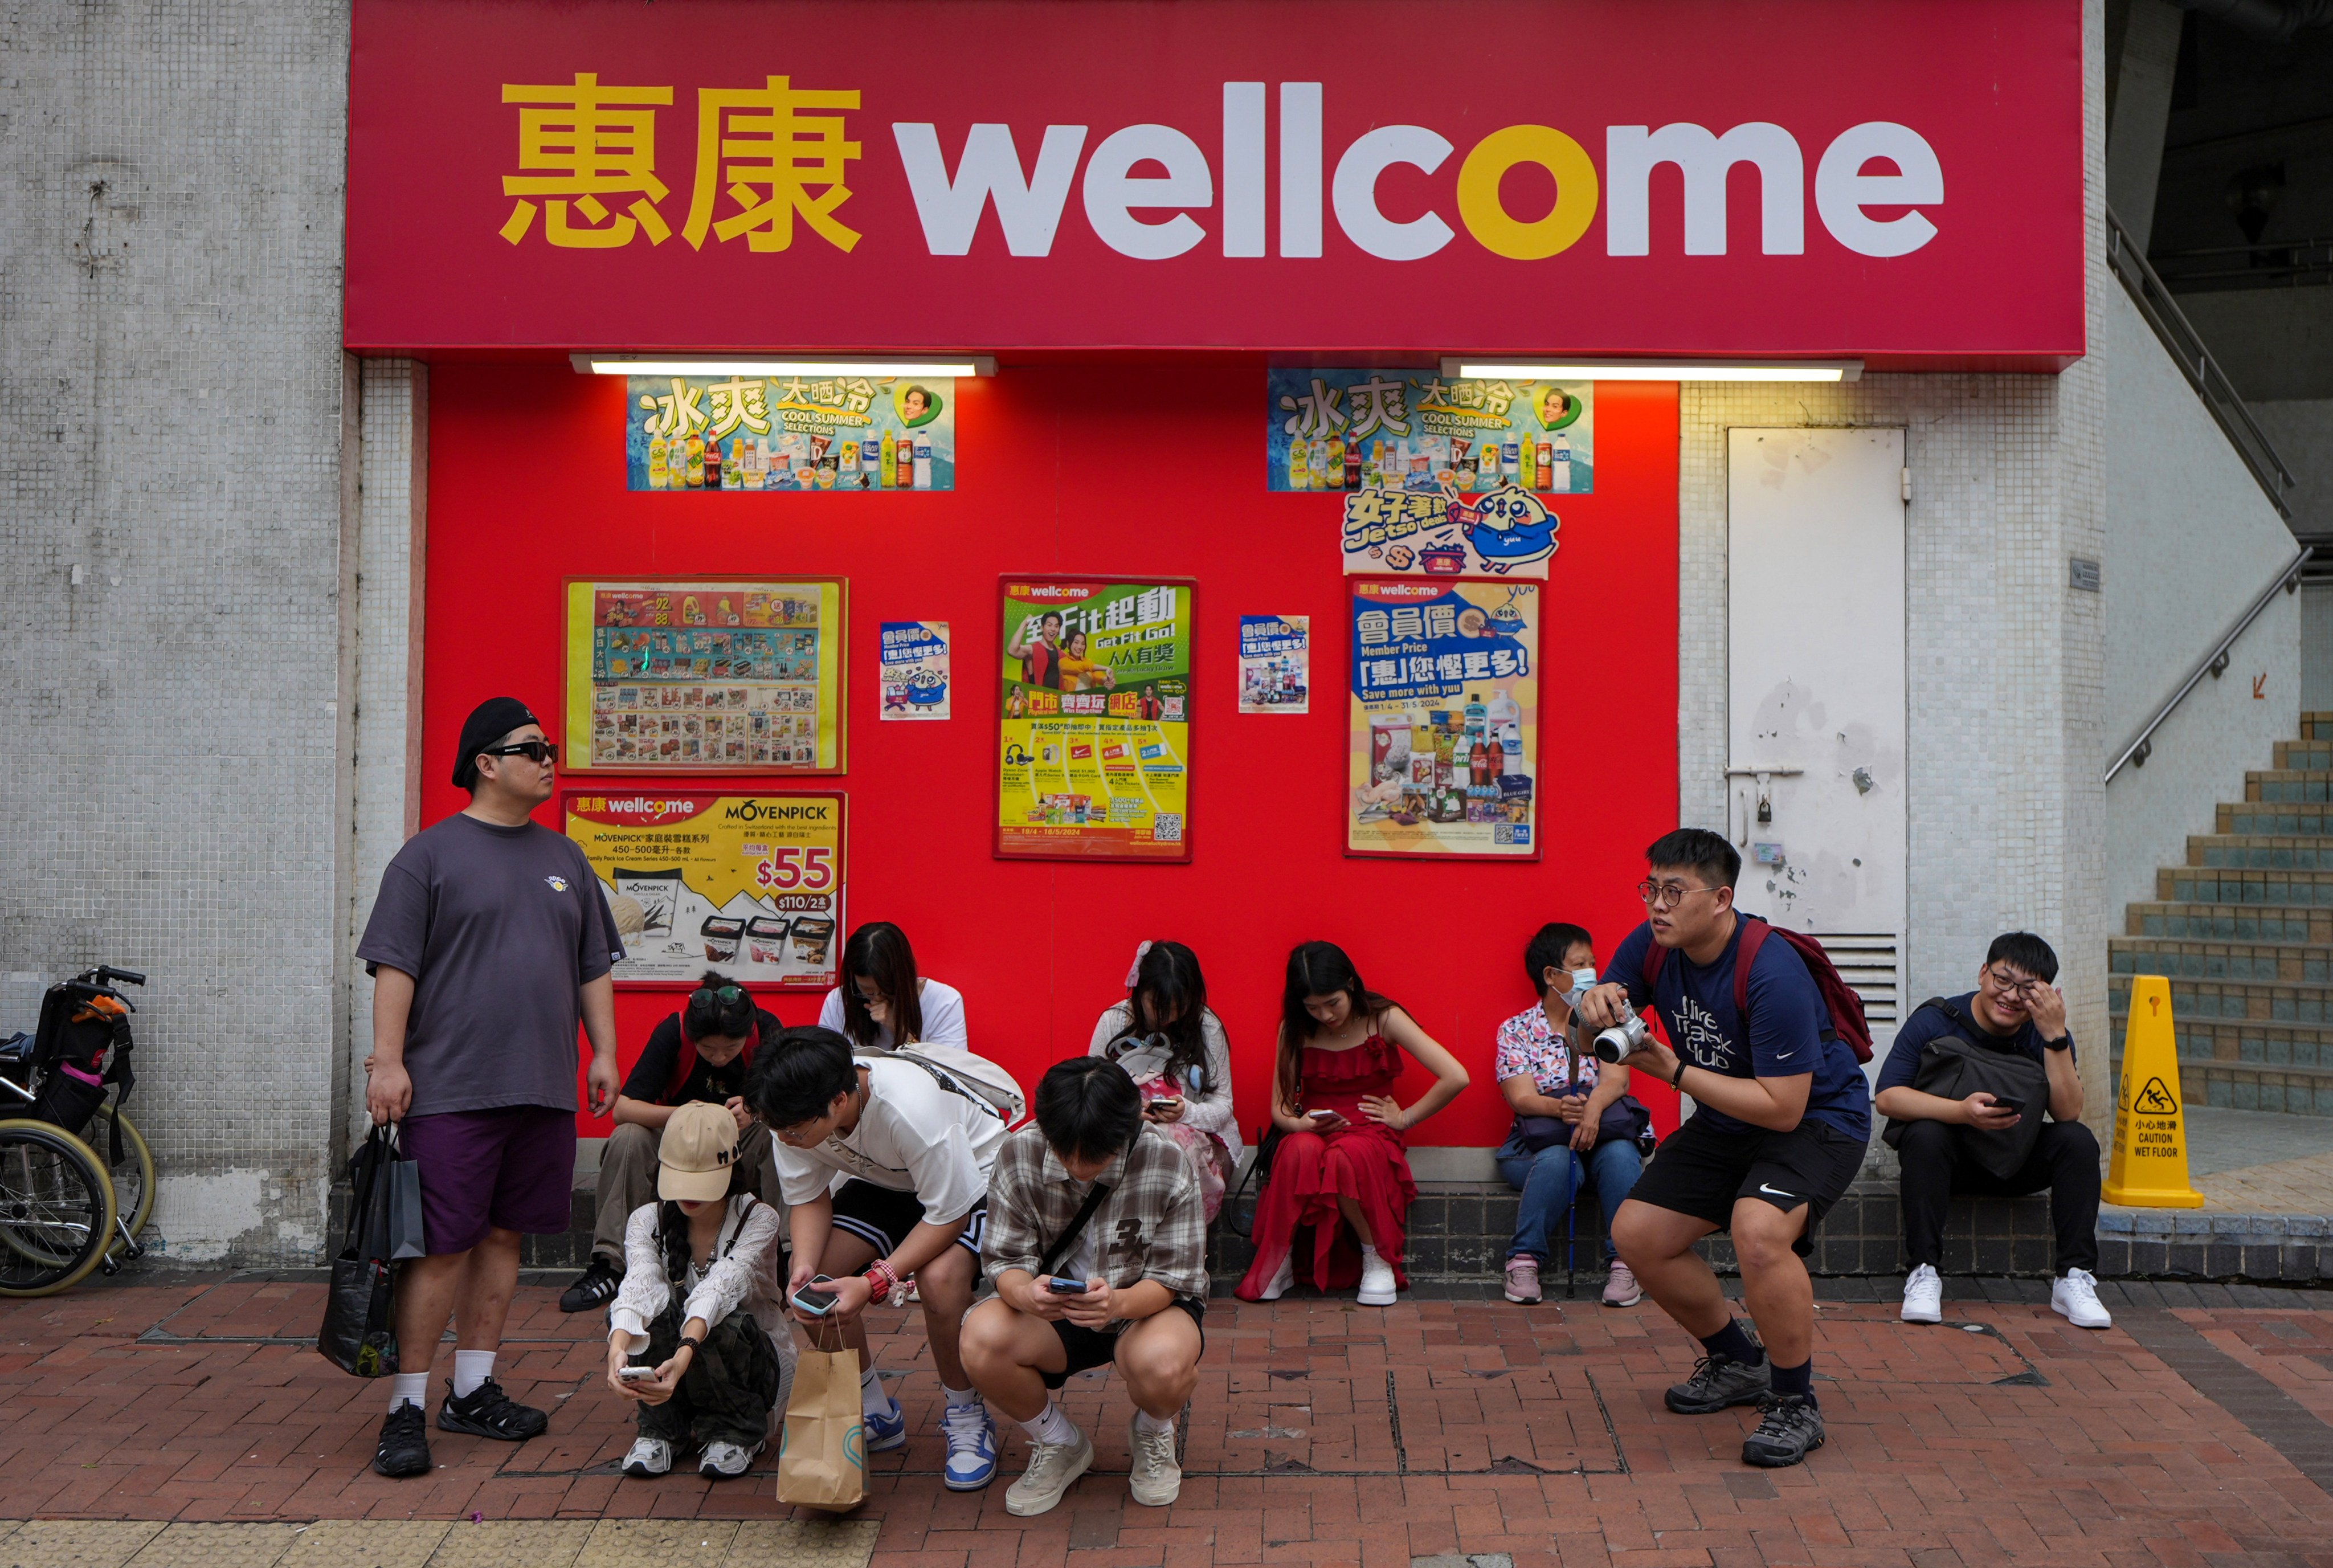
(906, 453)
(887, 468)
(1507, 726)
(1511, 458)
(756, 473)
(1530, 456)
(695, 462)
(659, 468)
(1352, 466)
(923, 461)
(1546, 466)
(1329, 472)
(713, 464)
(1562, 465)
(1476, 713)
(1478, 762)
(871, 462)
(1299, 472)
(733, 465)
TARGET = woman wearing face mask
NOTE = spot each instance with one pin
(1570, 1109)
(882, 1002)
(1189, 1094)
(1341, 1169)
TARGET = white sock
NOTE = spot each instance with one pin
(408, 1388)
(872, 1399)
(959, 1397)
(471, 1368)
(1147, 1424)
(1051, 1427)
(1368, 1250)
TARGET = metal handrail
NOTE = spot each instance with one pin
(2212, 663)
(2204, 373)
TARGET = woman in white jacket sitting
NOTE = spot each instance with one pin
(1171, 1042)
(697, 1335)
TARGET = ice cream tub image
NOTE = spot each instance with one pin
(765, 938)
(812, 934)
(721, 934)
(655, 892)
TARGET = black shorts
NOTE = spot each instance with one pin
(881, 1217)
(1703, 1173)
(1090, 1348)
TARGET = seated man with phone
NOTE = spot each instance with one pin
(1964, 1088)
(1097, 1245)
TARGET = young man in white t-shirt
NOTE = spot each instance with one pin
(917, 1154)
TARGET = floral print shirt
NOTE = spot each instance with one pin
(1528, 1044)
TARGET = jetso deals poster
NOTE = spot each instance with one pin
(1094, 720)
(1444, 744)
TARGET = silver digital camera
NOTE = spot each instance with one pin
(1624, 1039)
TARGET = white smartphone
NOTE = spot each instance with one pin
(636, 1374)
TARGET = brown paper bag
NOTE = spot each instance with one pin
(822, 1450)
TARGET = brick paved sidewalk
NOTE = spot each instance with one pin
(1322, 1433)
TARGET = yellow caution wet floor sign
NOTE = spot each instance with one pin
(2149, 1166)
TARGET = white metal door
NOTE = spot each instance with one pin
(1815, 692)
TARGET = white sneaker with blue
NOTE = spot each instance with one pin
(886, 1428)
(970, 1434)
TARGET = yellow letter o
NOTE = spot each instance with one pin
(1576, 191)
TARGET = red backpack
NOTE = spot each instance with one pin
(1846, 1008)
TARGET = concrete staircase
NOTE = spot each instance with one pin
(2244, 933)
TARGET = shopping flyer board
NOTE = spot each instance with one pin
(706, 674)
(1094, 718)
(749, 884)
(1444, 739)
(834, 432)
(913, 657)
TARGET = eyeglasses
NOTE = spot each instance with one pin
(537, 751)
(2010, 984)
(723, 994)
(1666, 895)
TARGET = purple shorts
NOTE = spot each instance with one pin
(512, 1167)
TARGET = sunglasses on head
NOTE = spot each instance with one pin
(539, 751)
(720, 996)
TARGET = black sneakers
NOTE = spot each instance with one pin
(1718, 1382)
(595, 1286)
(1789, 1427)
(489, 1412)
(404, 1443)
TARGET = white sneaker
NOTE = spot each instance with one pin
(1284, 1281)
(2075, 1298)
(1155, 1479)
(649, 1456)
(1377, 1281)
(1053, 1467)
(1923, 1297)
(726, 1461)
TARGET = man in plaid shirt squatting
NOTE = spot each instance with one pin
(1128, 1286)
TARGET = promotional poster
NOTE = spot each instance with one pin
(1413, 431)
(794, 433)
(1275, 663)
(1444, 742)
(913, 657)
(705, 674)
(750, 885)
(1094, 720)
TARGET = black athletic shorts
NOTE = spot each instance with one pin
(881, 1217)
(1090, 1348)
(1703, 1173)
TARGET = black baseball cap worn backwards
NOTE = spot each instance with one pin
(488, 723)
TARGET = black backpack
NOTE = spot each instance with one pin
(1963, 1061)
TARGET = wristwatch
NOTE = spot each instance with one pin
(2063, 1042)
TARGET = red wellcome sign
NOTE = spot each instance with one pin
(1899, 180)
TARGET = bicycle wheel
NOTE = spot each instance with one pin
(56, 1208)
(133, 1179)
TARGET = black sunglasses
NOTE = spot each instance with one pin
(540, 751)
(723, 994)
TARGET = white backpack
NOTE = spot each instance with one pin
(961, 1071)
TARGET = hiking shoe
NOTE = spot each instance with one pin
(489, 1412)
(886, 1429)
(971, 1436)
(1620, 1286)
(1284, 1281)
(595, 1286)
(1923, 1297)
(1377, 1280)
(404, 1447)
(1718, 1382)
(726, 1461)
(1053, 1467)
(1154, 1478)
(2075, 1298)
(1789, 1427)
(1522, 1280)
(648, 1456)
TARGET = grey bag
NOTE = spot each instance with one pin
(1956, 1065)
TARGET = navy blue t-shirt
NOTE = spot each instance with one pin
(1903, 1063)
(1786, 1016)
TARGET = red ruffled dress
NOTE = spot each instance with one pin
(1361, 1160)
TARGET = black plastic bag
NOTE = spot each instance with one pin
(360, 1330)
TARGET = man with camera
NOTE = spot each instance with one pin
(1781, 1118)
(1964, 1088)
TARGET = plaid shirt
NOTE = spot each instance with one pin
(1152, 1226)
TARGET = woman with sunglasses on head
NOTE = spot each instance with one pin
(698, 1054)
(1173, 1046)
(882, 1002)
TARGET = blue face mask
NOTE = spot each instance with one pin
(1581, 979)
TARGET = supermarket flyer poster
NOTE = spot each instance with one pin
(914, 658)
(1275, 663)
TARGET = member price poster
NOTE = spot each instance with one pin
(1443, 741)
(750, 885)
(1275, 663)
(914, 660)
(1415, 431)
(741, 433)
(1094, 720)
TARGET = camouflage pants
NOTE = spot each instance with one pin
(732, 1382)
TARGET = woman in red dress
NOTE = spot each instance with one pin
(1339, 1175)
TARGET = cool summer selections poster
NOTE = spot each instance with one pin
(788, 433)
(1414, 430)
(914, 660)
(1444, 742)
(706, 674)
(1094, 720)
(750, 884)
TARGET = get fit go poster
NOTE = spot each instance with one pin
(1094, 720)
(750, 885)
(1444, 739)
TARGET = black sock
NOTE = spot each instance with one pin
(1735, 1345)
(1799, 1379)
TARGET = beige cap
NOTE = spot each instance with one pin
(699, 1146)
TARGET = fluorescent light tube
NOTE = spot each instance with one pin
(1655, 369)
(618, 365)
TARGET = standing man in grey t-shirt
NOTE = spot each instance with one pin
(490, 942)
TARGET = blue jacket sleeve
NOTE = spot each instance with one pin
(1903, 1063)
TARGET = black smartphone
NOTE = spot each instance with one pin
(816, 1302)
(2002, 1102)
(1061, 1286)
